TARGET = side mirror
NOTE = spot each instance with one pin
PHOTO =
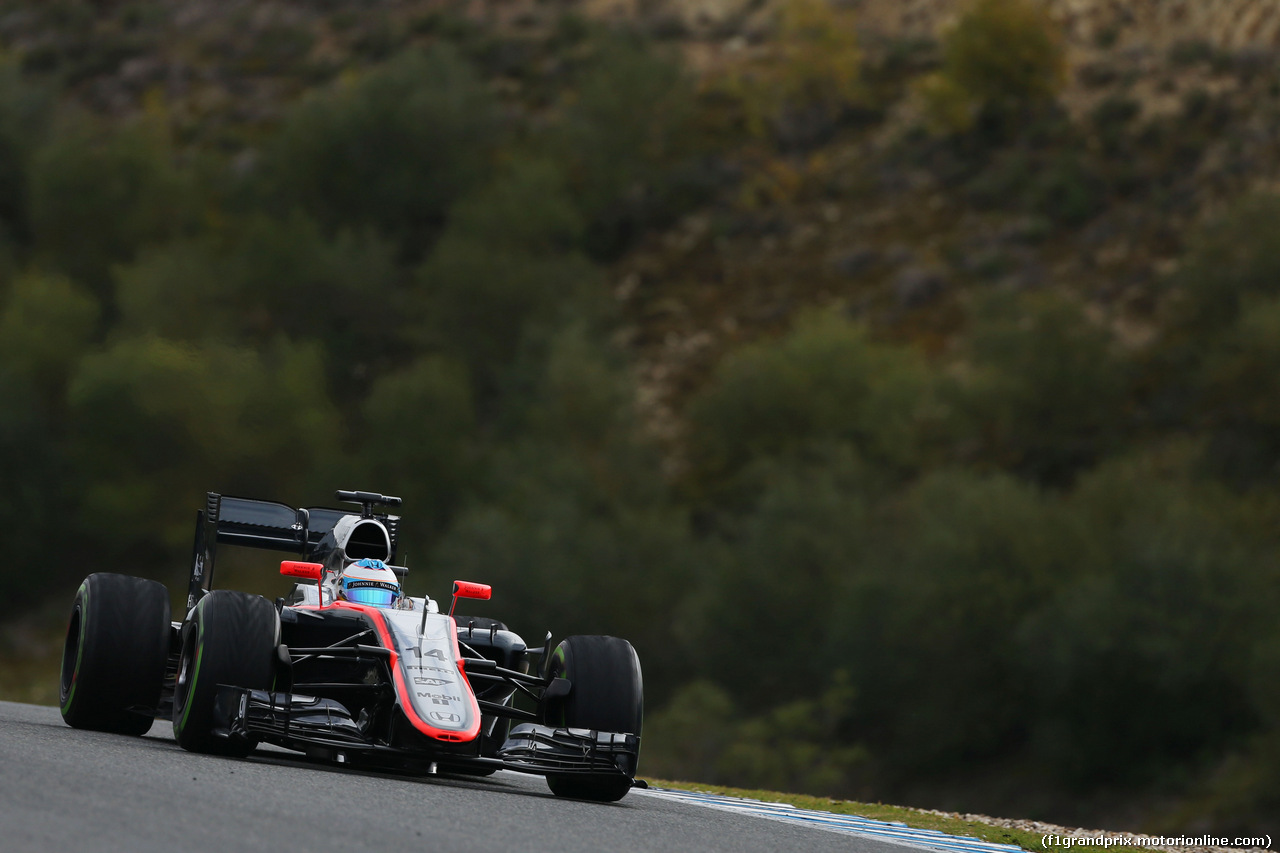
(294, 569)
(466, 589)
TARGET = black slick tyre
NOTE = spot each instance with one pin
(231, 638)
(114, 656)
(607, 695)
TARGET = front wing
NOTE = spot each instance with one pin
(323, 728)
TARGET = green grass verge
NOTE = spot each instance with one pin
(34, 681)
(875, 811)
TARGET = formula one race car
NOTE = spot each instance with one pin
(346, 668)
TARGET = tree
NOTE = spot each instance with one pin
(153, 420)
(1047, 393)
(46, 326)
(1002, 59)
(24, 116)
(1211, 368)
(624, 143)
(391, 149)
(417, 439)
(99, 195)
(506, 274)
(805, 79)
(824, 382)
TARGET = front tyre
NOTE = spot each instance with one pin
(231, 638)
(607, 695)
(114, 656)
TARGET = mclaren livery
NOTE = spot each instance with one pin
(346, 668)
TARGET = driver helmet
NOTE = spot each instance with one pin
(369, 581)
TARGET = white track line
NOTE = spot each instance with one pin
(891, 833)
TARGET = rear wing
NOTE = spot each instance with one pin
(264, 524)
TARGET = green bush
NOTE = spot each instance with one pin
(24, 114)
(153, 420)
(950, 567)
(46, 326)
(569, 514)
(1142, 652)
(1067, 191)
(1047, 398)
(99, 195)
(1235, 392)
(576, 541)
(179, 290)
(505, 274)
(824, 382)
(525, 207)
(47, 323)
(482, 305)
(804, 80)
(622, 141)
(1210, 369)
(1059, 186)
(418, 440)
(391, 149)
(1228, 259)
(264, 277)
(1002, 59)
(779, 566)
(795, 746)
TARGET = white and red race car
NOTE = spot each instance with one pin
(345, 668)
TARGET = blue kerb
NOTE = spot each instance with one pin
(892, 831)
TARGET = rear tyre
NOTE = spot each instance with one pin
(231, 638)
(114, 656)
(607, 695)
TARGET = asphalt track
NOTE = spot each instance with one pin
(67, 790)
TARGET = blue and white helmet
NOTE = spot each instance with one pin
(369, 581)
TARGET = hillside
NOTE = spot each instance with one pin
(899, 376)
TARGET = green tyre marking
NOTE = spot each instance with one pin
(196, 675)
(75, 669)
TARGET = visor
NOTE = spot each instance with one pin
(370, 592)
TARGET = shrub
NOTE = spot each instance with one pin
(949, 566)
(1048, 397)
(391, 149)
(1229, 259)
(98, 196)
(793, 547)
(580, 540)
(24, 113)
(1066, 190)
(824, 382)
(46, 324)
(485, 307)
(1210, 368)
(151, 418)
(506, 272)
(265, 277)
(809, 76)
(1236, 396)
(622, 142)
(417, 437)
(1003, 58)
(1142, 653)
